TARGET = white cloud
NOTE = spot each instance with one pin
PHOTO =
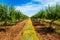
(30, 8)
(48, 2)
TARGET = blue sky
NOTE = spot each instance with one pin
(30, 7)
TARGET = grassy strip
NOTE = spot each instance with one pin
(29, 32)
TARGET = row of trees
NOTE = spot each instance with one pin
(9, 15)
(51, 12)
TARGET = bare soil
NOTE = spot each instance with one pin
(43, 34)
(12, 32)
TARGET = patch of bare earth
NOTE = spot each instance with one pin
(12, 32)
(40, 28)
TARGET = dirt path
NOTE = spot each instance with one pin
(18, 37)
(17, 32)
(13, 31)
(26, 31)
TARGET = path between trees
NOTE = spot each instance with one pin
(13, 31)
(21, 31)
(28, 32)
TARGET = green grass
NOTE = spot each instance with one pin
(29, 32)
